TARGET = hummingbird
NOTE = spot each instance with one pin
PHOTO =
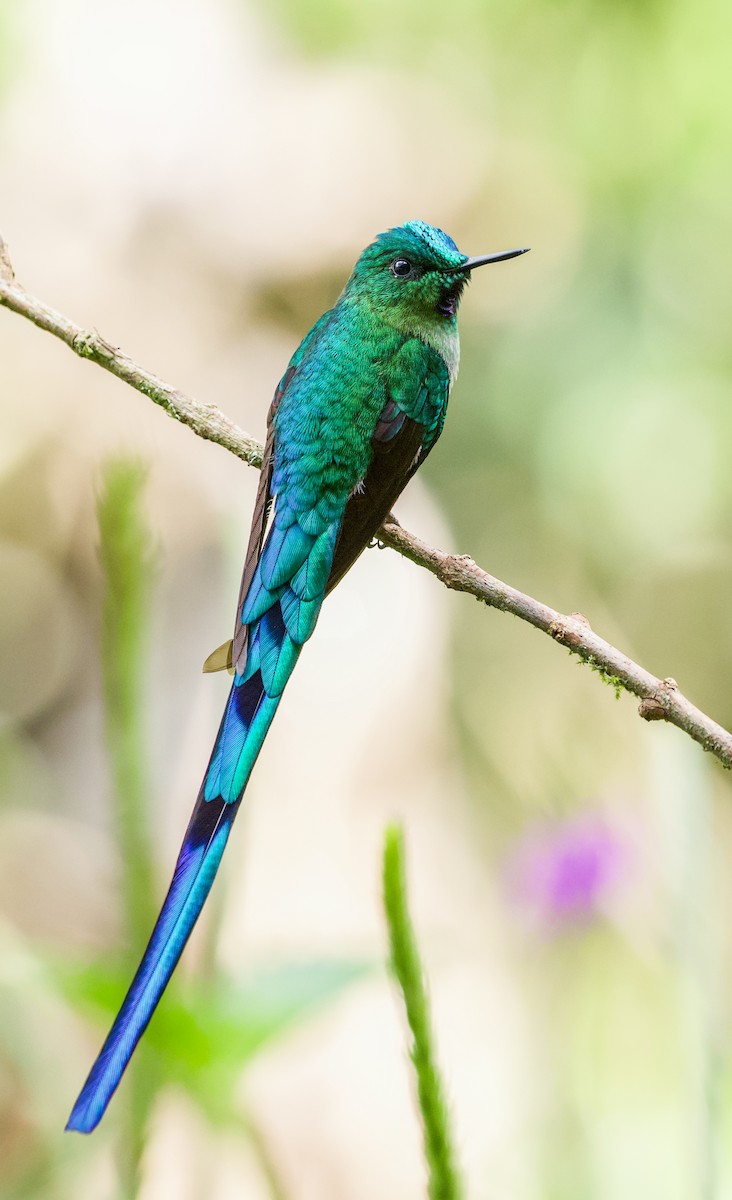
(358, 409)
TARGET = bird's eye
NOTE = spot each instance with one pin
(401, 267)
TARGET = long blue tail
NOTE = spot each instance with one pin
(280, 612)
(248, 709)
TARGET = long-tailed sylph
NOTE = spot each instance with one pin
(360, 406)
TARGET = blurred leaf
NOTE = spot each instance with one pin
(206, 1033)
(235, 1019)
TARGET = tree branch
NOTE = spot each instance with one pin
(660, 699)
(204, 419)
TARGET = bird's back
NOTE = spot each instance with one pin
(327, 415)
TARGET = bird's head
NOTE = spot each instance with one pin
(415, 274)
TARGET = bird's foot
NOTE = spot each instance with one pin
(389, 519)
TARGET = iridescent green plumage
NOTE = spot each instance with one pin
(360, 406)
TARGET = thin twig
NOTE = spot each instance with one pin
(206, 420)
(660, 699)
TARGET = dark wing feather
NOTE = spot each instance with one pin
(397, 450)
(262, 505)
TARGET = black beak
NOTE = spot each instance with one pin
(490, 258)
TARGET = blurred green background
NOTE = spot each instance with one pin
(196, 180)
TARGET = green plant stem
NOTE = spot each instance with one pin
(124, 550)
(126, 556)
(443, 1179)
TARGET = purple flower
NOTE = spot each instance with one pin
(563, 872)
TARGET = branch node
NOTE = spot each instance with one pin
(90, 344)
(581, 618)
(651, 708)
(85, 343)
(454, 566)
(561, 630)
(655, 706)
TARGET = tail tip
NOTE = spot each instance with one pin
(81, 1119)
